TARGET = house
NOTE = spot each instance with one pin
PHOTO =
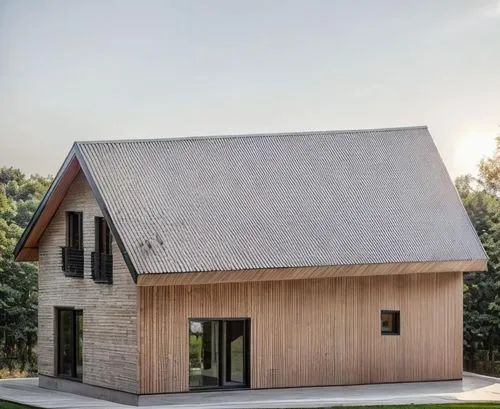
(253, 261)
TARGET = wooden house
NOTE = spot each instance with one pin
(253, 261)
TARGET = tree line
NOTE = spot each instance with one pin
(481, 198)
(20, 195)
(19, 198)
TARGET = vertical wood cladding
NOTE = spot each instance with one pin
(109, 311)
(311, 332)
(319, 331)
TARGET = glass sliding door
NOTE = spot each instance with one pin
(218, 353)
(204, 354)
(234, 352)
(70, 343)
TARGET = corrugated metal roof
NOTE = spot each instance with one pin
(281, 200)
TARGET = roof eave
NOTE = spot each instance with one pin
(21, 251)
(63, 179)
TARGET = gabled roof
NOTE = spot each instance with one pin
(279, 200)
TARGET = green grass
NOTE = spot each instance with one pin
(9, 405)
(468, 405)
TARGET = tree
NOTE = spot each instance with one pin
(19, 197)
(481, 198)
(489, 170)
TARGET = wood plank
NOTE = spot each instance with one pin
(109, 311)
(311, 332)
(300, 273)
(30, 249)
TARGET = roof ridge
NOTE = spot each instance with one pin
(251, 135)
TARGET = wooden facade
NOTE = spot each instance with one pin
(300, 273)
(309, 326)
(109, 311)
(311, 332)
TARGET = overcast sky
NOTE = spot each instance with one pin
(77, 70)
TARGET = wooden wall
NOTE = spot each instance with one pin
(302, 273)
(109, 311)
(311, 332)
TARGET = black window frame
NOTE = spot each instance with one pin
(396, 320)
(222, 359)
(102, 256)
(69, 230)
(100, 225)
(73, 253)
(75, 376)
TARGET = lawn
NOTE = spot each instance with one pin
(443, 406)
(8, 405)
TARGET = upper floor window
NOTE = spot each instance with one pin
(74, 236)
(102, 257)
(72, 254)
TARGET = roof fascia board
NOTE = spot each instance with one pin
(41, 207)
(304, 273)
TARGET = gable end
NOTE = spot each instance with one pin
(27, 246)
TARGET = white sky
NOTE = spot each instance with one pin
(121, 69)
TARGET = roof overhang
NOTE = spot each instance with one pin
(298, 273)
(27, 246)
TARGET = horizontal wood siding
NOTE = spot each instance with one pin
(109, 311)
(311, 332)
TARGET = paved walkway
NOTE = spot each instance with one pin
(26, 391)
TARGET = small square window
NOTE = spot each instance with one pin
(389, 322)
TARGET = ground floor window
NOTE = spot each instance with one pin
(389, 322)
(69, 343)
(219, 353)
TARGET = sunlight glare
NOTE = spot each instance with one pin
(471, 148)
